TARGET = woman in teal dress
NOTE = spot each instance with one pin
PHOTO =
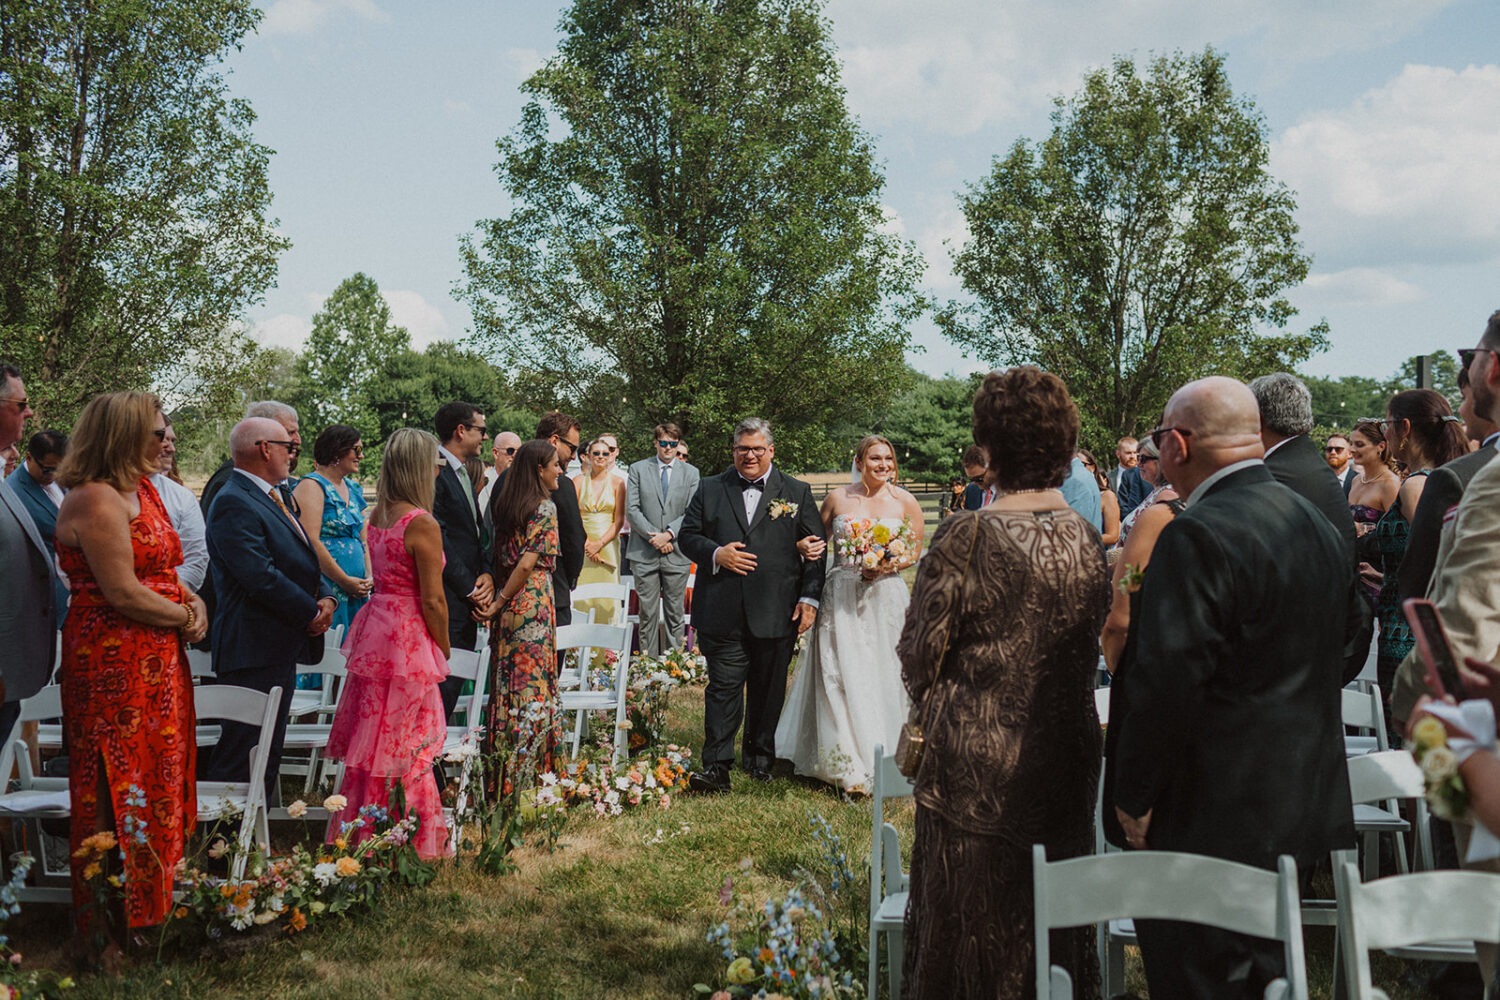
(331, 508)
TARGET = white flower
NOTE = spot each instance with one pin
(217, 848)
(548, 778)
(297, 809)
(1438, 765)
(871, 559)
(265, 917)
(240, 919)
(325, 872)
(334, 803)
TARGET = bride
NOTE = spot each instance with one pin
(847, 694)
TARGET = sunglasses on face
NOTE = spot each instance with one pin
(476, 427)
(667, 444)
(599, 454)
(509, 451)
(1466, 354)
(1334, 449)
(1157, 435)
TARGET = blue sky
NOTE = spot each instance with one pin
(1384, 117)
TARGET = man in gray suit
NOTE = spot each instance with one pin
(657, 492)
(28, 631)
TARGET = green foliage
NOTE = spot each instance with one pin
(352, 343)
(133, 201)
(411, 385)
(930, 423)
(1142, 244)
(1339, 403)
(696, 232)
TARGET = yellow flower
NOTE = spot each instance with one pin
(92, 871)
(881, 534)
(1429, 733)
(340, 843)
(344, 867)
(740, 971)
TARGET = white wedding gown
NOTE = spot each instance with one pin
(847, 695)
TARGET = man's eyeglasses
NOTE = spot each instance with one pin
(741, 449)
(667, 444)
(290, 446)
(1334, 449)
(1466, 355)
(508, 451)
(22, 404)
(476, 427)
(1157, 435)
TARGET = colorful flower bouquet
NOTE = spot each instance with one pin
(610, 789)
(652, 680)
(875, 547)
(1447, 795)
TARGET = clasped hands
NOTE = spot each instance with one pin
(482, 598)
(324, 618)
(740, 561)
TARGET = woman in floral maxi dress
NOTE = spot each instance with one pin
(522, 717)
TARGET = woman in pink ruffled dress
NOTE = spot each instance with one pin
(389, 725)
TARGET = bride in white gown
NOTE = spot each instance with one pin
(847, 695)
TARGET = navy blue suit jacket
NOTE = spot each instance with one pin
(266, 582)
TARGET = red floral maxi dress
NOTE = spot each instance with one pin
(522, 713)
(127, 701)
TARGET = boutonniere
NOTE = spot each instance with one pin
(781, 508)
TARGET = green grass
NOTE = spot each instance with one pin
(606, 914)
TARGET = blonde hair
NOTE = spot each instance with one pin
(406, 470)
(869, 441)
(111, 442)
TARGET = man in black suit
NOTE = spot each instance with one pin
(755, 594)
(273, 606)
(1229, 741)
(564, 432)
(1445, 488)
(1340, 460)
(468, 584)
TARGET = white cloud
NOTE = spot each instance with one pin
(282, 330)
(955, 67)
(300, 17)
(522, 62)
(422, 320)
(1405, 173)
(1358, 286)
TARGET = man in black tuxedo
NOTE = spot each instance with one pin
(1286, 417)
(755, 594)
(1228, 740)
(468, 584)
(273, 606)
(565, 434)
(1341, 461)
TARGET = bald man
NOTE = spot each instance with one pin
(1225, 736)
(273, 606)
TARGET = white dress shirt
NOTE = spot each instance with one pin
(187, 517)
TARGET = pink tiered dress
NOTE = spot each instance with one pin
(389, 725)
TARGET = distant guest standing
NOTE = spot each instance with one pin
(331, 508)
(126, 693)
(601, 504)
(182, 508)
(656, 498)
(35, 483)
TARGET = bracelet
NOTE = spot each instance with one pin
(192, 619)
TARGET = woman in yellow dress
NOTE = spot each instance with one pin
(601, 501)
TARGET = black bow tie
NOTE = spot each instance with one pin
(752, 484)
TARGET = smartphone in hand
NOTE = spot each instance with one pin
(1432, 645)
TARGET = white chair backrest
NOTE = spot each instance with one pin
(1101, 705)
(228, 703)
(887, 783)
(1365, 710)
(1412, 909)
(1165, 885)
(602, 592)
(45, 704)
(200, 663)
(1389, 774)
(470, 665)
(586, 638)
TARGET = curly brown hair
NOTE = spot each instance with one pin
(1026, 420)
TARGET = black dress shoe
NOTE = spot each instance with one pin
(710, 780)
(761, 774)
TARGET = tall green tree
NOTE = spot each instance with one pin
(133, 198)
(352, 344)
(930, 423)
(1142, 244)
(696, 231)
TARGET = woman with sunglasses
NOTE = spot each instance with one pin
(331, 508)
(601, 502)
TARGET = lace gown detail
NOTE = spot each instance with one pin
(1013, 743)
(846, 695)
(389, 725)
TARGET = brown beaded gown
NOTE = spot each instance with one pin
(1013, 744)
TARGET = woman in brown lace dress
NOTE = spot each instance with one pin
(1001, 642)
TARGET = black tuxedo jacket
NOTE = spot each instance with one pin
(266, 579)
(1444, 489)
(1299, 466)
(570, 539)
(463, 551)
(1226, 722)
(759, 604)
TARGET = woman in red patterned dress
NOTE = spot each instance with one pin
(126, 693)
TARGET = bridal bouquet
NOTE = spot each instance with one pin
(874, 546)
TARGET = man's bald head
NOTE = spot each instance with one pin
(1220, 412)
(260, 446)
(243, 438)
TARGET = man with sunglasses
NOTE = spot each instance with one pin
(28, 587)
(503, 452)
(1226, 736)
(1340, 459)
(468, 584)
(35, 483)
(657, 491)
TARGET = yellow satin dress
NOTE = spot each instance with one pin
(598, 513)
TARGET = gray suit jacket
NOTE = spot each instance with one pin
(28, 630)
(648, 511)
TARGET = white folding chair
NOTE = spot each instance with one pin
(36, 798)
(586, 697)
(1393, 914)
(1363, 708)
(320, 702)
(617, 592)
(889, 883)
(227, 703)
(1163, 885)
(469, 664)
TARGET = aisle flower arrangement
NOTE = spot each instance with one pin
(651, 682)
(609, 789)
(17, 983)
(296, 891)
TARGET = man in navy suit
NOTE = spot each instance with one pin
(272, 607)
(467, 581)
(755, 594)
